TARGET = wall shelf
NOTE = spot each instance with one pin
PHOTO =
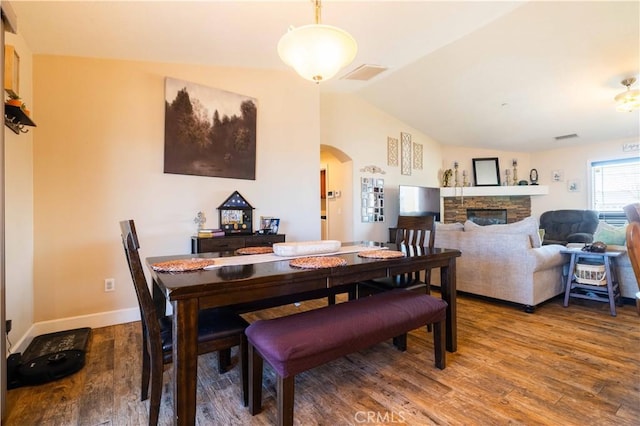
(16, 119)
(494, 191)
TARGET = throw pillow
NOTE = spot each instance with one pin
(457, 226)
(541, 233)
(609, 234)
(527, 226)
(472, 226)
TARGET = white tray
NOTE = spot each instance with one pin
(305, 248)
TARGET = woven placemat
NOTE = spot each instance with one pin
(317, 262)
(381, 254)
(182, 265)
(254, 250)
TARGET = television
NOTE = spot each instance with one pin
(419, 201)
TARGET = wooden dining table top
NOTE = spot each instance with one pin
(179, 285)
(251, 279)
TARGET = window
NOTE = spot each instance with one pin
(614, 184)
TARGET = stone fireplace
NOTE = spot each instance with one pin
(487, 216)
(516, 207)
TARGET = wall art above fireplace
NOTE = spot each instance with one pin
(486, 172)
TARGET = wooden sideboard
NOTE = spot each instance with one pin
(232, 242)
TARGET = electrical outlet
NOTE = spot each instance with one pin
(109, 284)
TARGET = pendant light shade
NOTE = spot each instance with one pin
(317, 52)
(629, 100)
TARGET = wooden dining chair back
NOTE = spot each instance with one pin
(633, 251)
(424, 223)
(421, 237)
(218, 330)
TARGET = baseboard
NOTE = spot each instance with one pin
(102, 319)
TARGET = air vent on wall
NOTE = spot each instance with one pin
(364, 72)
(571, 136)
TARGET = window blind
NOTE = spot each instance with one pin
(615, 183)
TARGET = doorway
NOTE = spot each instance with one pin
(336, 208)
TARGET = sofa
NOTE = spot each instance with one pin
(505, 262)
(624, 272)
(615, 239)
(568, 226)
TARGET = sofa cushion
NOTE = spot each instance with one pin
(528, 226)
(610, 235)
(457, 226)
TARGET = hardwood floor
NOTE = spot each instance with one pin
(559, 366)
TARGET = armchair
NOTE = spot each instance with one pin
(568, 226)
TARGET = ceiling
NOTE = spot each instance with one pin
(498, 75)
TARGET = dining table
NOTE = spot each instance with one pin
(253, 282)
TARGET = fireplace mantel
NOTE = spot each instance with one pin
(515, 199)
(494, 191)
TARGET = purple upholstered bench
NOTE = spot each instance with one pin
(299, 342)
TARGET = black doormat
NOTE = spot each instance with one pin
(49, 357)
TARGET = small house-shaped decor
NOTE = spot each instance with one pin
(236, 215)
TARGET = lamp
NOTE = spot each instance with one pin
(317, 52)
(628, 100)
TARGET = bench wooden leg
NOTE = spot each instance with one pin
(244, 374)
(400, 342)
(285, 390)
(353, 293)
(427, 282)
(224, 360)
(255, 380)
(439, 343)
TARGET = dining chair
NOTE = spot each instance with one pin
(412, 239)
(420, 234)
(218, 330)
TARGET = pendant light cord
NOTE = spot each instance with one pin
(318, 11)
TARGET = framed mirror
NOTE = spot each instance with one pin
(486, 171)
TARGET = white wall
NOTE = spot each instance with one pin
(575, 165)
(19, 205)
(464, 157)
(98, 158)
(360, 131)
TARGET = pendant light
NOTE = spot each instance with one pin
(628, 100)
(316, 51)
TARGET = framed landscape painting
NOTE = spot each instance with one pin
(209, 132)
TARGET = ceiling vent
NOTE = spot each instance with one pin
(563, 137)
(364, 72)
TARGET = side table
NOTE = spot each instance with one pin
(609, 293)
(233, 242)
